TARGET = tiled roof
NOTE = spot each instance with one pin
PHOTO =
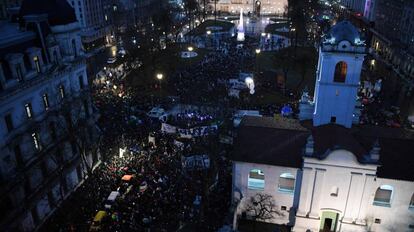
(281, 142)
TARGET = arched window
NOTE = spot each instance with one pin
(256, 179)
(411, 206)
(340, 72)
(286, 183)
(383, 195)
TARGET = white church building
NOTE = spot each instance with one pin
(323, 172)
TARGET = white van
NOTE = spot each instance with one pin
(111, 199)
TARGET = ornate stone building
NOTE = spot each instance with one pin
(47, 120)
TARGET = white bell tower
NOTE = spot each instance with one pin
(339, 68)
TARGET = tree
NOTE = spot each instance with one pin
(262, 207)
(190, 6)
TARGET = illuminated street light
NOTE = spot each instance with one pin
(208, 32)
(257, 51)
(263, 34)
(159, 76)
(190, 49)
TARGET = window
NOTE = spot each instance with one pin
(283, 208)
(18, 156)
(340, 72)
(286, 183)
(44, 169)
(29, 111)
(86, 108)
(62, 91)
(334, 191)
(52, 130)
(36, 141)
(9, 122)
(37, 63)
(256, 179)
(377, 221)
(411, 206)
(383, 195)
(333, 119)
(81, 84)
(51, 199)
(45, 101)
(19, 72)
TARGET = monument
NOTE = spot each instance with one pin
(240, 28)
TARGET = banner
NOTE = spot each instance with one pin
(197, 131)
(167, 128)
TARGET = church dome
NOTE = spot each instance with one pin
(343, 31)
(59, 11)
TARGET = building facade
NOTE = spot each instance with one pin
(44, 100)
(261, 7)
(95, 27)
(323, 173)
(5, 5)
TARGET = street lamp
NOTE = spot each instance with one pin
(257, 51)
(159, 76)
(209, 32)
(190, 49)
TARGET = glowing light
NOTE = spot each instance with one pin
(159, 76)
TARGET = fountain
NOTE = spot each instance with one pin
(240, 28)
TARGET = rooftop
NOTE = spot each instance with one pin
(343, 31)
(11, 34)
(59, 11)
(281, 142)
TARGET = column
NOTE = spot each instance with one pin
(353, 196)
(306, 191)
(317, 192)
(365, 199)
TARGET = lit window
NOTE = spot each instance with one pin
(340, 72)
(37, 64)
(256, 179)
(383, 195)
(45, 101)
(62, 91)
(29, 111)
(286, 183)
(36, 141)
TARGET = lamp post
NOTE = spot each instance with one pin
(257, 51)
(296, 40)
(208, 36)
(190, 49)
(159, 77)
